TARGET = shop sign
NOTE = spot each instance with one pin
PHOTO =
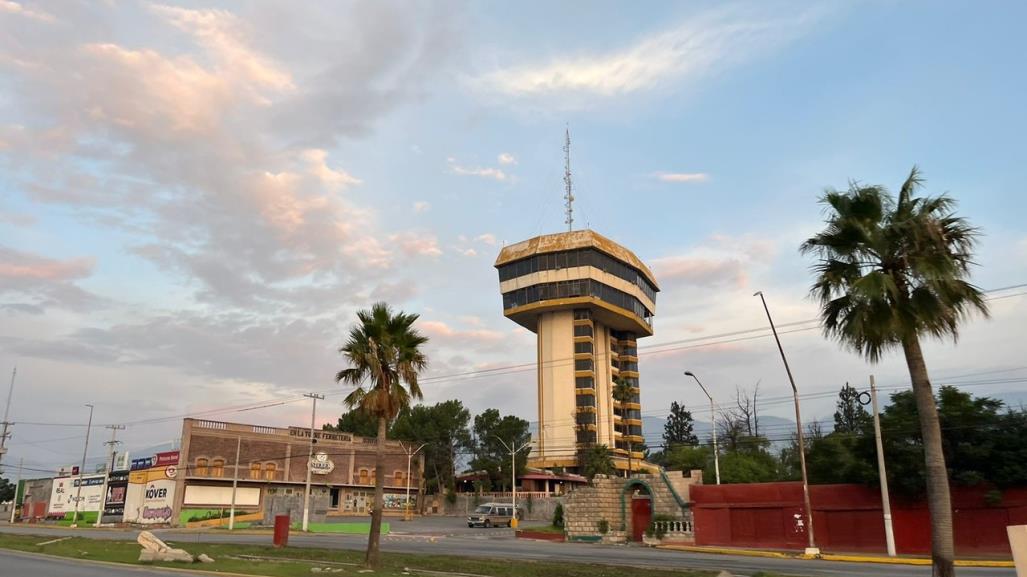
(320, 464)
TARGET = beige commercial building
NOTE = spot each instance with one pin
(588, 300)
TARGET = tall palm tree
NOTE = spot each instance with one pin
(385, 357)
(889, 272)
(622, 394)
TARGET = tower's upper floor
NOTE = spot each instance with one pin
(574, 270)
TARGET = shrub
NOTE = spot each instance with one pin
(558, 516)
(604, 526)
(451, 496)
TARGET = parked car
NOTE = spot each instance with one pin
(493, 515)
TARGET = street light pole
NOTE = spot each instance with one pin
(82, 468)
(410, 454)
(812, 548)
(310, 456)
(713, 421)
(889, 534)
(514, 449)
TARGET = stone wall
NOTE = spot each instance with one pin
(609, 498)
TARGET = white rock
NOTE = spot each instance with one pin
(204, 558)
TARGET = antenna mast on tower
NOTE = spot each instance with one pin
(568, 195)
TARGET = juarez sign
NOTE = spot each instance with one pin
(320, 464)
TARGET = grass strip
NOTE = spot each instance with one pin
(296, 562)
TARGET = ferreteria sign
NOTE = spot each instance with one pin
(320, 464)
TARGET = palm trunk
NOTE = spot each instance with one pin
(373, 558)
(938, 499)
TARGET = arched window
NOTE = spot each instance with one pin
(398, 476)
(364, 477)
(269, 471)
(254, 470)
(201, 467)
(217, 468)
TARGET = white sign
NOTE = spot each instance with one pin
(65, 491)
(320, 464)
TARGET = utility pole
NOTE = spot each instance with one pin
(410, 454)
(306, 495)
(889, 534)
(514, 449)
(14, 505)
(812, 548)
(235, 483)
(106, 476)
(82, 468)
(6, 424)
(713, 421)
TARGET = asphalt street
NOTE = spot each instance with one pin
(21, 565)
(500, 545)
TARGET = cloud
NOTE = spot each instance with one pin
(720, 261)
(483, 172)
(184, 146)
(20, 10)
(40, 282)
(469, 252)
(422, 206)
(487, 238)
(416, 244)
(706, 43)
(506, 158)
(681, 176)
(441, 331)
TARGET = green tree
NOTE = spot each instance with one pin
(491, 431)
(679, 427)
(596, 460)
(688, 457)
(850, 416)
(7, 490)
(622, 393)
(888, 273)
(443, 429)
(356, 422)
(384, 356)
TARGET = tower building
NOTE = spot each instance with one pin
(588, 300)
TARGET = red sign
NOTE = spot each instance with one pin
(163, 459)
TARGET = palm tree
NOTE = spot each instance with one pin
(889, 272)
(384, 355)
(622, 394)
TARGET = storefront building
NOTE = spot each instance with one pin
(272, 472)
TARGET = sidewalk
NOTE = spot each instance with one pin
(847, 557)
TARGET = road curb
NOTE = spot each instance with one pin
(982, 563)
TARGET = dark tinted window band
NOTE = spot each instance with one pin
(579, 257)
(575, 288)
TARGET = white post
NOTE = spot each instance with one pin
(310, 456)
(889, 534)
(513, 480)
(406, 506)
(716, 452)
(7, 411)
(235, 484)
(82, 468)
(14, 504)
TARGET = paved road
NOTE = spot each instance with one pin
(501, 546)
(21, 565)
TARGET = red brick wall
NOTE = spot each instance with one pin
(847, 518)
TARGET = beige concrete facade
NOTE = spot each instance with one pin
(587, 299)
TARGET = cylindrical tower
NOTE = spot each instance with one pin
(588, 300)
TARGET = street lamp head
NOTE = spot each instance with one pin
(757, 293)
(689, 374)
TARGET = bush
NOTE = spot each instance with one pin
(604, 526)
(451, 496)
(558, 516)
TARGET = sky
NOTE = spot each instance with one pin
(195, 199)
